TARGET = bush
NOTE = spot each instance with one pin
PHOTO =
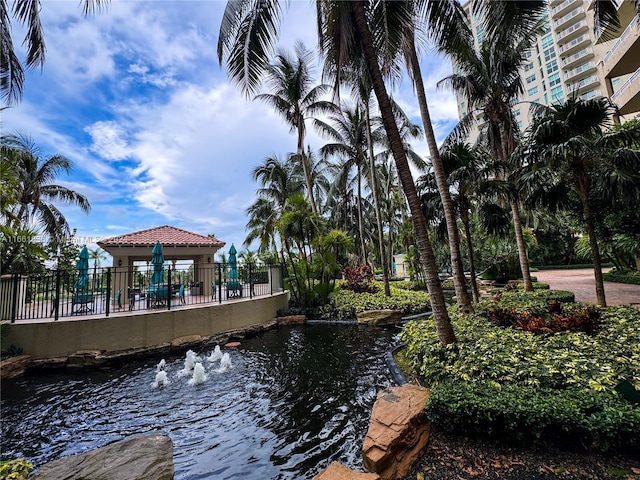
(15, 469)
(632, 278)
(557, 319)
(359, 279)
(345, 304)
(507, 381)
(411, 285)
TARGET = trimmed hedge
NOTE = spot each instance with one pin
(630, 278)
(345, 304)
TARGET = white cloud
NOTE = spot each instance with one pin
(108, 140)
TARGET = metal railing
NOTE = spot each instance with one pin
(55, 293)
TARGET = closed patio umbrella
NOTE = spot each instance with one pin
(158, 264)
(82, 265)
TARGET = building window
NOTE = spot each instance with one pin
(547, 41)
(528, 67)
(554, 79)
(556, 93)
(531, 78)
(463, 105)
(516, 112)
(480, 33)
(552, 67)
(546, 99)
(615, 81)
(528, 54)
(532, 91)
(520, 123)
(549, 54)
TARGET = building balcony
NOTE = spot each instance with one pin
(581, 56)
(582, 84)
(573, 16)
(591, 94)
(574, 45)
(569, 33)
(624, 56)
(564, 7)
(626, 14)
(628, 96)
(584, 69)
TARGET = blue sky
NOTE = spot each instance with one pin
(135, 97)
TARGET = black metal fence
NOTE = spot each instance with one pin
(56, 293)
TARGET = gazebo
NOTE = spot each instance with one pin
(177, 244)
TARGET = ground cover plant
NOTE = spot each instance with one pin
(344, 304)
(632, 278)
(522, 387)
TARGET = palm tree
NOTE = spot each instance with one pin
(294, 98)
(27, 13)
(570, 140)
(347, 130)
(35, 191)
(490, 81)
(247, 33)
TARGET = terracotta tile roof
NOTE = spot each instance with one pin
(167, 235)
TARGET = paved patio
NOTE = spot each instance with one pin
(582, 283)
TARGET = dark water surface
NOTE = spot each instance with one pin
(296, 399)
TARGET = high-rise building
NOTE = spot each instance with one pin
(568, 58)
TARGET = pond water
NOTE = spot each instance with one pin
(295, 400)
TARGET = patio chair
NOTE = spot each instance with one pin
(234, 289)
(181, 295)
(117, 300)
(83, 299)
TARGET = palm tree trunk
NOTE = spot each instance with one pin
(464, 216)
(305, 168)
(363, 248)
(376, 202)
(522, 247)
(441, 317)
(462, 296)
(582, 181)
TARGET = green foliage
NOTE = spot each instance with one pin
(522, 300)
(15, 469)
(518, 414)
(345, 304)
(632, 278)
(509, 380)
(412, 286)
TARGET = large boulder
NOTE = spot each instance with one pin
(139, 458)
(14, 367)
(398, 432)
(337, 471)
(380, 317)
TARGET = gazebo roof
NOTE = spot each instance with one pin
(167, 235)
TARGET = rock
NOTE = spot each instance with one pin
(138, 458)
(14, 367)
(398, 431)
(291, 320)
(380, 317)
(84, 358)
(232, 345)
(186, 341)
(337, 471)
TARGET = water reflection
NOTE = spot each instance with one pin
(295, 400)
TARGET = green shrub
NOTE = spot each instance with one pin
(558, 318)
(632, 278)
(411, 285)
(345, 304)
(518, 414)
(524, 375)
(15, 469)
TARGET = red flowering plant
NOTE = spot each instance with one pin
(359, 279)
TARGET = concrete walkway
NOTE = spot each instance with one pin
(582, 283)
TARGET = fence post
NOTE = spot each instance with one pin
(219, 286)
(14, 301)
(108, 291)
(250, 281)
(169, 289)
(56, 301)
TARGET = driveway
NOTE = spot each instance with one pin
(582, 283)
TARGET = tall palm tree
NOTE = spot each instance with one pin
(247, 34)
(36, 194)
(570, 139)
(295, 99)
(27, 13)
(347, 131)
(489, 79)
